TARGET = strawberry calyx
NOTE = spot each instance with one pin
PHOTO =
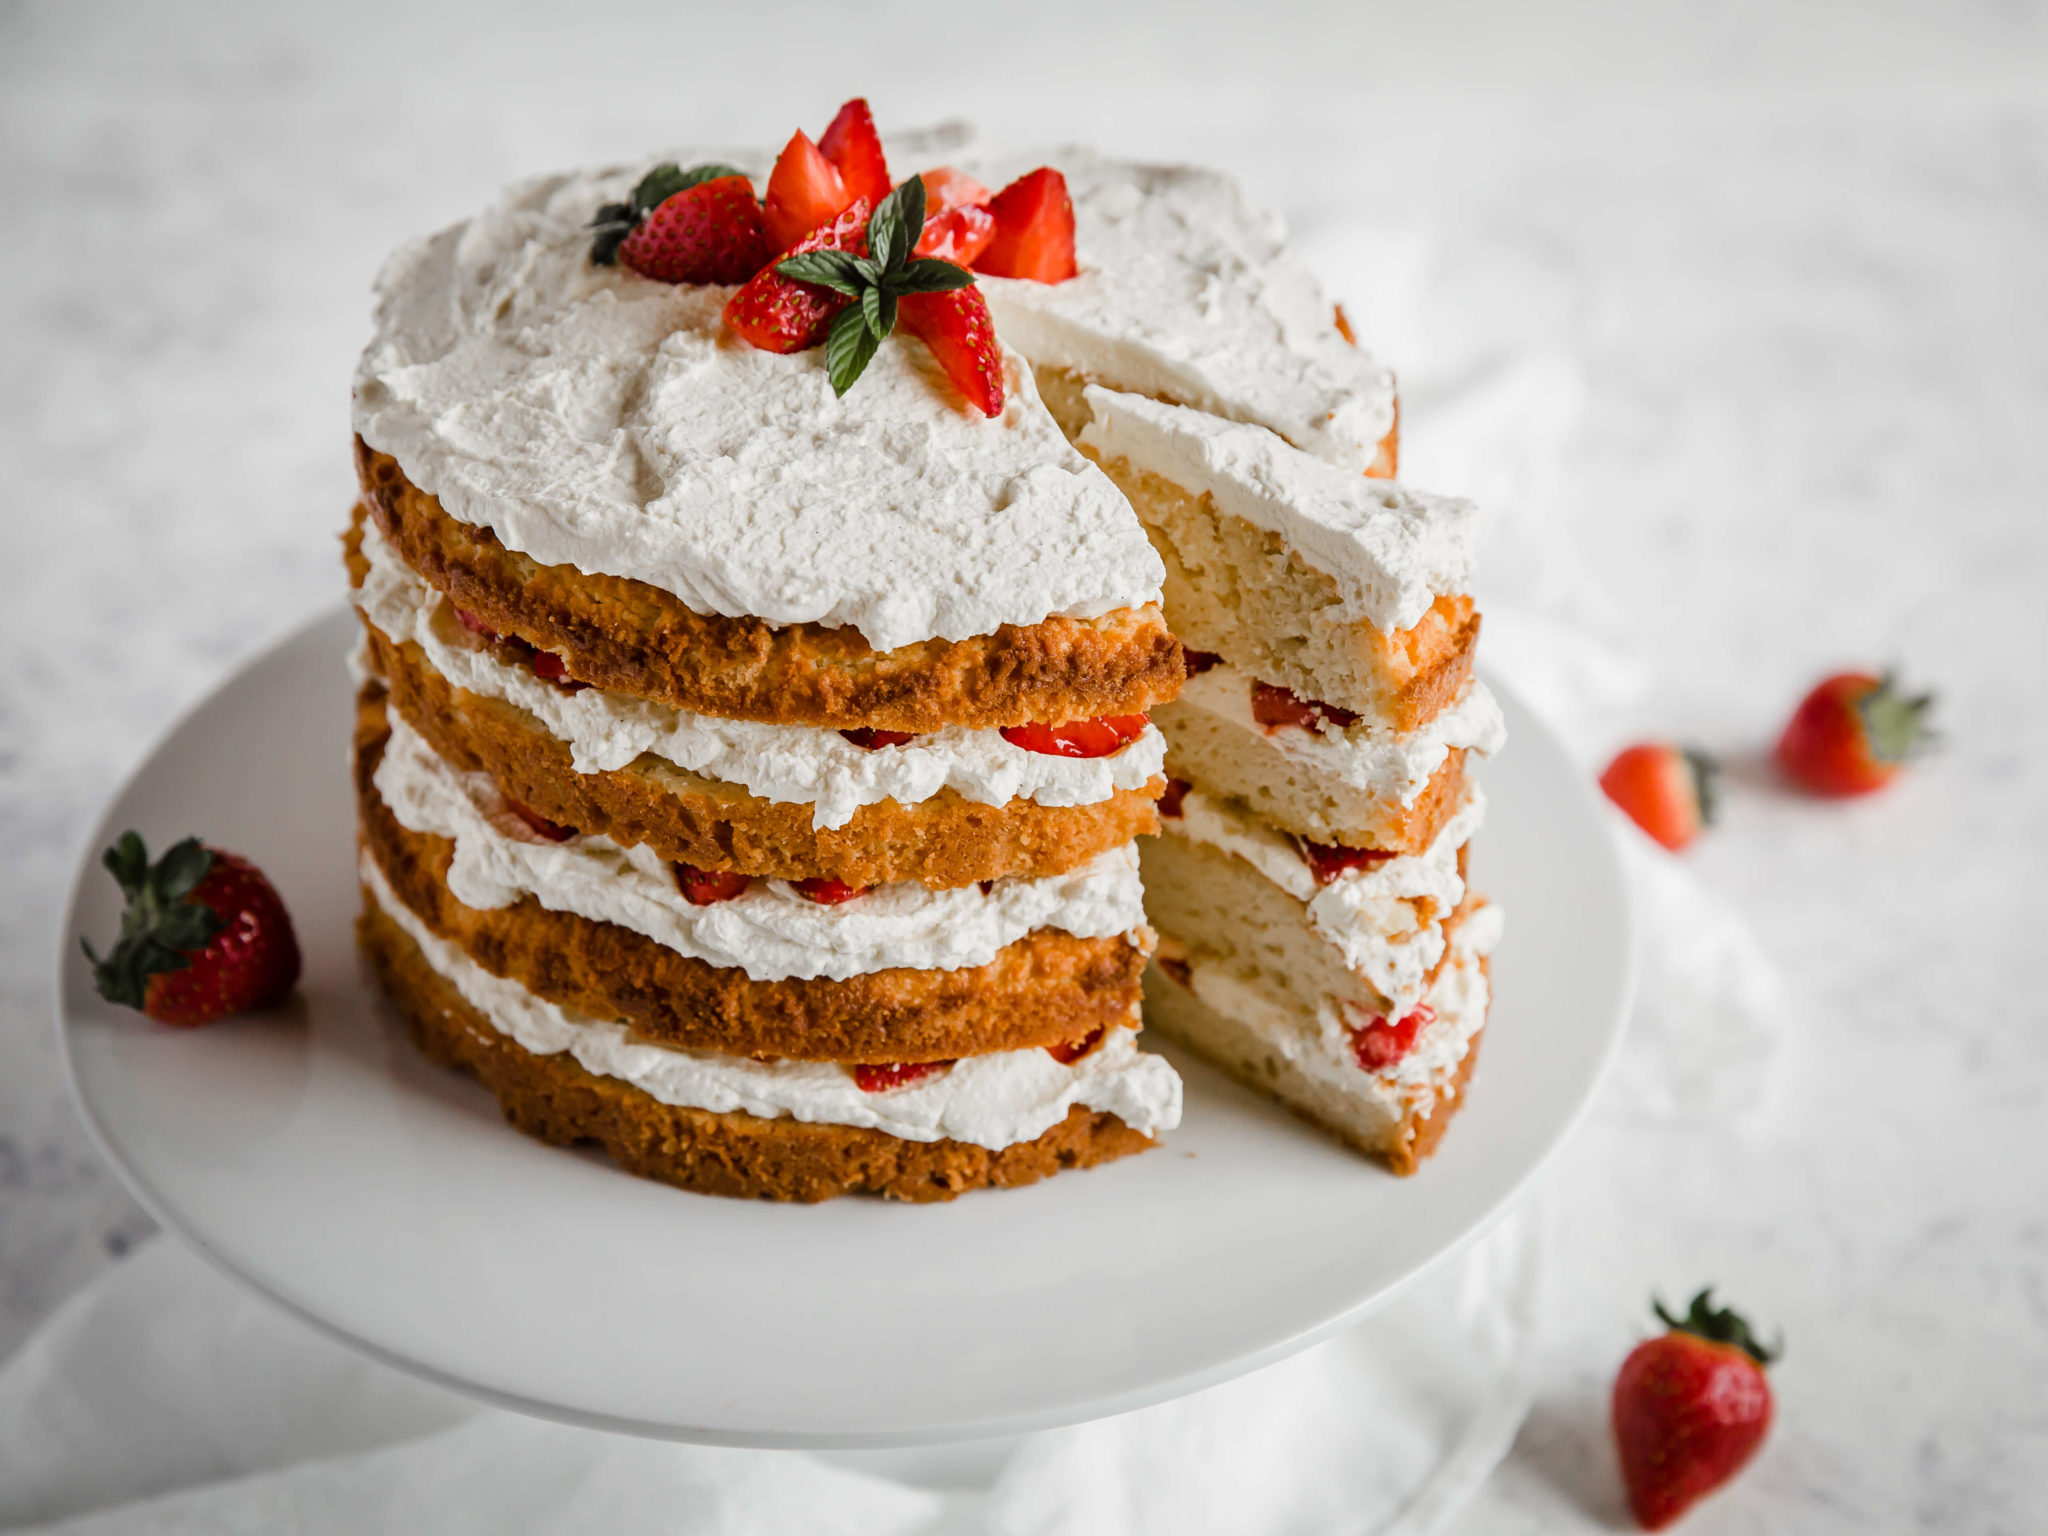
(1100, 737)
(615, 221)
(1719, 1325)
(826, 890)
(872, 737)
(161, 928)
(1328, 861)
(1895, 723)
(881, 1076)
(1275, 707)
(875, 281)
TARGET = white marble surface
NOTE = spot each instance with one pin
(1737, 317)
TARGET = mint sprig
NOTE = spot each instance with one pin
(887, 273)
(615, 221)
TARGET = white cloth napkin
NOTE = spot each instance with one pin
(164, 1399)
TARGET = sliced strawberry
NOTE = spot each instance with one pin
(1070, 1051)
(1034, 229)
(1194, 663)
(1275, 707)
(1668, 791)
(1380, 1045)
(778, 314)
(553, 831)
(473, 624)
(1326, 861)
(948, 188)
(549, 666)
(957, 327)
(708, 887)
(804, 192)
(855, 150)
(826, 891)
(709, 233)
(1100, 737)
(204, 934)
(1176, 792)
(957, 235)
(869, 737)
(881, 1076)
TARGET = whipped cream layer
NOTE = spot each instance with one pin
(1189, 293)
(993, 1101)
(595, 418)
(1373, 916)
(1323, 1049)
(771, 932)
(1391, 551)
(1367, 756)
(790, 763)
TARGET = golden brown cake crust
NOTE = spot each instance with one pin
(635, 638)
(943, 842)
(1048, 988)
(555, 1100)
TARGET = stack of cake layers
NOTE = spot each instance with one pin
(689, 820)
(1318, 939)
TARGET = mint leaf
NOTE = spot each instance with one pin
(878, 309)
(928, 274)
(836, 270)
(849, 348)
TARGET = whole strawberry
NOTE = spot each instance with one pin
(1853, 733)
(1690, 1409)
(204, 935)
(1668, 791)
(702, 225)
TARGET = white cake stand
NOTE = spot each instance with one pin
(314, 1157)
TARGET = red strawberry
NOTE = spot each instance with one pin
(826, 891)
(551, 668)
(1100, 737)
(1853, 734)
(880, 1077)
(948, 188)
(473, 624)
(708, 887)
(1690, 1409)
(855, 150)
(1034, 229)
(1070, 1051)
(957, 327)
(709, 233)
(553, 831)
(1326, 861)
(958, 235)
(204, 935)
(1170, 801)
(1380, 1045)
(804, 191)
(869, 737)
(1194, 663)
(1667, 791)
(778, 314)
(1274, 707)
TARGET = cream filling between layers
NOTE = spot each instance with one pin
(1322, 1047)
(770, 931)
(787, 763)
(1391, 551)
(1369, 756)
(1371, 916)
(992, 1101)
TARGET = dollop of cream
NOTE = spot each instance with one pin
(1391, 551)
(771, 931)
(790, 763)
(595, 418)
(992, 1101)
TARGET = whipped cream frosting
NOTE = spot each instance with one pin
(595, 418)
(791, 763)
(1391, 551)
(1323, 1050)
(1372, 915)
(1186, 292)
(771, 932)
(992, 1101)
(1368, 755)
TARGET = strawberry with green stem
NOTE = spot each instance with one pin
(702, 225)
(1854, 733)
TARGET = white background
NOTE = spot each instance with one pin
(1737, 315)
